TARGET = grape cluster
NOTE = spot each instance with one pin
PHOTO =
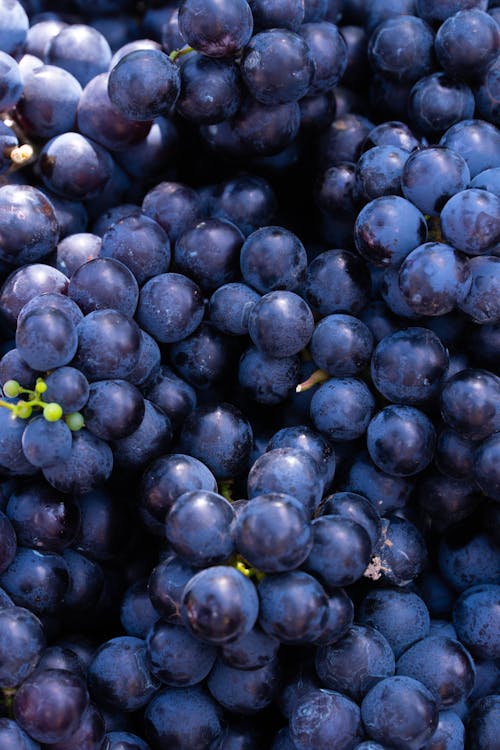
(250, 373)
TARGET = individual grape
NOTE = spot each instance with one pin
(487, 94)
(379, 170)
(147, 258)
(210, 89)
(248, 201)
(267, 379)
(209, 253)
(272, 532)
(354, 663)
(341, 408)
(81, 50)
(450, 175)
(469, 403)
(401, 440)
(125, 741)
(68, 387)
(144, 84)
(50, 99)
(270, 324)
(481, 302)
(137, 614)
(376, 236)
(216, 29)
(29, 226)
(184, 718)
(341, 345)
(172, 321)
(89, 465)
(176, 658)
(46, 338)
(252, 651)
(466, 43)
(341, 551)
(114, 409)
(108, 345)
(325, 718)
(483, 722)
(281, 14)
(89, 735)
(104, 283)
(454, 454)
(12, 82)
(329, 53)
(470, 221)
(400, 615)
(119, 675)
(438, 102)
(12, 458)
(14, 25)
(336, 281)
(293, 607)
(42, 518)
(407, 366)
(21, 645)
(264, 130)
(488, 180)
(166, 585)
(447, 500)
(244, 691)
(402, 48)
(171, 394)
(442, 665)
(400, 711)
(75, 250)
(290, 471)
(151, 439)
(391, 133)
(36, 580)
(477, 141)
(176, 207)
(272, 258)
(49, 705)
(467, 556)
(402, 551)
(355, 508)
(317, 112)
(475, 620)
(229, 307)
(219, 605)
(74, 167)
(168, 478)
(343, 139)
(277, 66)
(198, 527)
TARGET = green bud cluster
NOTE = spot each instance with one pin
(23, 409)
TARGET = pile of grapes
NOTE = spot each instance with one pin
(250, 375)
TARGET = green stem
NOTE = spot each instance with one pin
(318, 376)
(179, 52)
(226, 489)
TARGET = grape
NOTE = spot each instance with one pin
(22, 644)
(402, 48)
(183, 717)
(36, 580)
(170, 307)
(74, 167)
(29, 226)
(81, 50)
(144, 83)
(244, 691)
(399, 615)
(325, 717)
(214, 28)
(114, 409)
(282, 14)
(466, 43)
(108, 345)
(88, 465)
(341, 408)
(12, 737)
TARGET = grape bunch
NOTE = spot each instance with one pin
(250, 375)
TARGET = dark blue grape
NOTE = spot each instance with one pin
(317, 112)
(143, 84)
(229, 307)
(210, 90)
(29, 226)
(293, 607)
(329, 53)
(341, 408)
(469, 403)
(272, 532)
(150, 440)
(125, 741)
(265, 130)
(50, 704)
(325, 718)
(341, 345)
(114, 409)
(74, 167)
(103, 528)
(268, 379)
(14, 25)
(36, 580)
(209, 253)
(248, 201)
(489, 180)
(148, 366)
(89, 735)
(50, 99)
(174, 206)
(470, 221)
(137, 614)
(272, 258)
(177, 658)
(454, 454)
(482, 727)
(81, 50)
(252, 651)
(450, 175)
(466, 43)
(407, 366)
(45, 337)
(42, 518)
(119, 675)
(477, 141)
(401, 712)
(433, 278)
(401, 616)
(402, 553)
(437, 102)
(8, 543)
(341, 551)
(27, 282)
(198, 527)
(402, 48)
(356, 508)
(68, 387)
(12, 82)
(487, 93)
(379, 170)
(391, 133)
(244, 691)
(442, 665)
(204, 357)
(387, 229)
(450, 732)
(401, 440)
(290, 471)
(183, 718)
(467, 557)
(86, 581)
(385, 492)
(75, 250)
(89, 465)
(108, 345)
(476, 621)
(214, 28)
(170, 307)
(149, 157)
(340, 617)
(21, 645)
(280, 324)
(343, 140)
(337, 281)
(104, 283)
(354, 663)
(219, 604)
(171, 394)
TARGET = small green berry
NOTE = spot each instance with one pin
(23, 409)
(52, 412)
(11, 388)
(40, 386)
(74, 421)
